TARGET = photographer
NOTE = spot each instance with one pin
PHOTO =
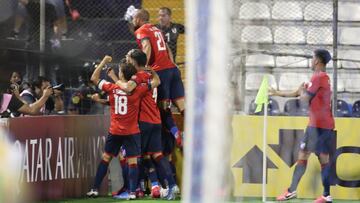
(9, 103)
(55, 104)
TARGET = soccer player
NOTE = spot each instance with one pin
(124, 129)
(151, 41)
(319, 132)
(170, 30)
(150, 125)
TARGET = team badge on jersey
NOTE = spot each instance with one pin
(138, 36)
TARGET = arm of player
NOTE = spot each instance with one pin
(95, 77)
(128, 86)
(294, 93)
(146, 48)
(96, 98)
(35, 107)
(155, 81)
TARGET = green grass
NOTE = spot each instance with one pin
(149, 200)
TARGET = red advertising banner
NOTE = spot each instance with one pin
(60, 154)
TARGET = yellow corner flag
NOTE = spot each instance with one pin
(262, 95)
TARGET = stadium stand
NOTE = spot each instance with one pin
(280, 11)
(294, 107)
(356, 109)
(253, 81)
(282, 33)
(319, 36)
(349, 11)
(263, 34)
(342, 109)
(260, 60)
(311, 12)
(273, 108)
(291, 81)
(254, 10)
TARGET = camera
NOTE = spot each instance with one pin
(13, 86)
(60, 87)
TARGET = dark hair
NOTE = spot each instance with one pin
(168, 10)
(128, 70)
(323, 55)
(139, 56)
(143, 15)
(38, 82)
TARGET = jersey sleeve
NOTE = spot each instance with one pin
(314, 85)
(142, 34)
(106, 86)
(181, 28)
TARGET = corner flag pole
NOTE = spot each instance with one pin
(262, 99)
(264, 153)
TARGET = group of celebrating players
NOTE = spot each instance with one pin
(140, 97)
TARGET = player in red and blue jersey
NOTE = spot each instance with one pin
(124, 129)
(150, 124)
(171, 90)
(319, 133)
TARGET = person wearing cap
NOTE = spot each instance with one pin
(319, 133)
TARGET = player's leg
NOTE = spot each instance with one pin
(323, 149)
(112, 148)
(164, 101)
(132, 145)
(306, 147)
(177, 92)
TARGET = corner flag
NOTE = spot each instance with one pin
(262, 95)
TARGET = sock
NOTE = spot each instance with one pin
(165, 165)
(298, 173)
(125, 173)
(173, 169)
(100, 173)
(133, 177)
(169, 122)
(148, 164)
(325, 176)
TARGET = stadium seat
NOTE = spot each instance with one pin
(352, 82)
(349, 54)
(260, 60)
(349, 11)
(257, 34)
(350, 36)
(342, 109)
(289, 35)
(291, 61)
(294, 107)
(287, 11)
(273, 108)
(253, 81)
(292, 81)
(320, 35)
(356, 109)
(251, 11)
(312, 13)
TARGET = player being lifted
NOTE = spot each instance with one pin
(319, 133)
(151, 41)
(124, 129)
(150, 123)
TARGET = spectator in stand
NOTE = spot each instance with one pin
(9, 104)
(170, 30)
(31, 8)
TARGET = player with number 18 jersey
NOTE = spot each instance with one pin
(124, 108)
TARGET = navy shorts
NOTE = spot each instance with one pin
(168, 142)
(150, 138)
(318, 140)
(130, 143)
(171, 87)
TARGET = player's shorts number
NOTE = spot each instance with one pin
(160, 41)
(120, 104)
